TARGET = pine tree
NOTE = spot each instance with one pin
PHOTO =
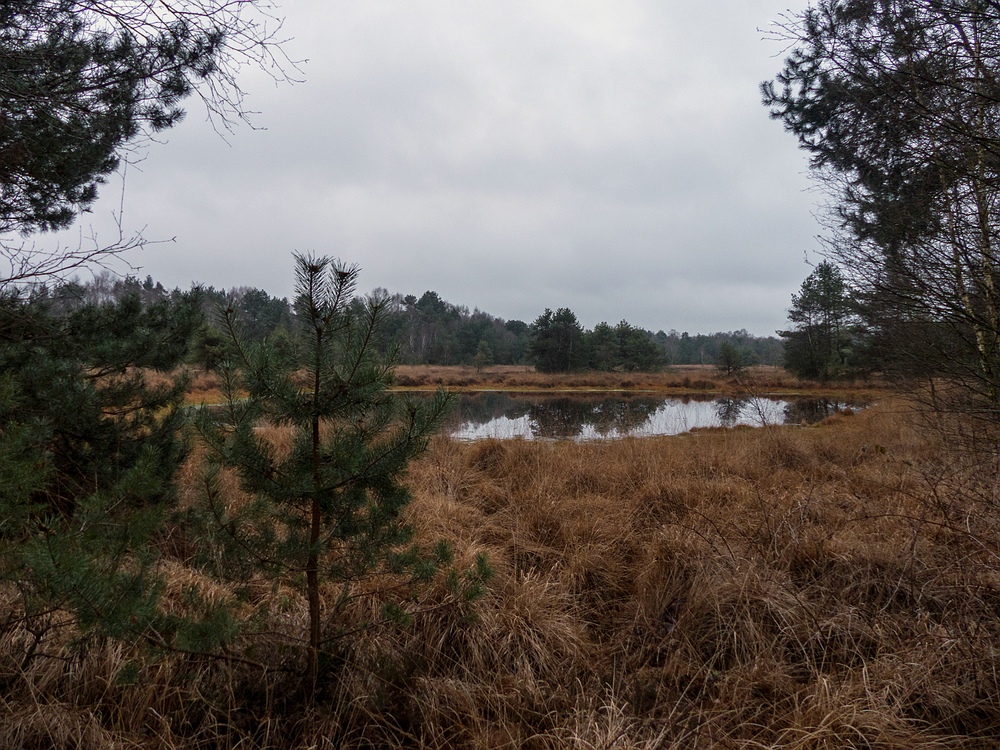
(897, 104)
(88, 453)
(484, 356)
(557, 342)
(822, 313)
(330, 509)
(732, 359)
(83, 83)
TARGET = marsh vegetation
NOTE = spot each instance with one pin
(312, 564)
(823, 587)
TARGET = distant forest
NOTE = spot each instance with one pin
(430, 330)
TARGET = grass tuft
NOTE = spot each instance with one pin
(827, 587)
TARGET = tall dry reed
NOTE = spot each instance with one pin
(824, 587)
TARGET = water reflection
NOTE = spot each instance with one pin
(504, 415)
(568, 417)
(812, 410)
(728, 410)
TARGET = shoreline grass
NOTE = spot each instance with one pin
(679, 381)
(836, 586)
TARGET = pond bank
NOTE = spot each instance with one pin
(679, 381)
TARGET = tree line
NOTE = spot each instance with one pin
(428, 330)
(833, 330)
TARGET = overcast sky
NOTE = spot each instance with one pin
(610, 156)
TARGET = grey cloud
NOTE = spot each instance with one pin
(611, 157)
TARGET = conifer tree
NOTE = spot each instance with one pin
(557, 342)
(732, 359)
(897, 104)
(823, 315)
(484, 356)
(88, 453)
(329, 509)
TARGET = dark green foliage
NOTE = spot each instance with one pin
(898, 105)
(516, 334)
(897, 98)
(256, 313)
(260, 315)
(825, 337)
(624, 348)
(211, 347)
(557, 342)
(431, 331)
(329, 507)
(603, 347)
(484, 356)
(75, 88)
(732, 359)
(703, 349)
(75, 376)
(89, 452)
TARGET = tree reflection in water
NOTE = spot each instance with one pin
(728, 410)
(812, 410)
(480, 415)
(568, 417)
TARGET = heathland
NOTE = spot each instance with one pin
(678, 380)
(832, 586)
(242, 580)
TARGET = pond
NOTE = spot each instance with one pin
(579, 417)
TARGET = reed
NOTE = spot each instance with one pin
(827, 587)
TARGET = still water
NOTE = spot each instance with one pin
(507, 415)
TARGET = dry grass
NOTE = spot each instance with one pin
(205, 387)
(827, 587)
(680, 379)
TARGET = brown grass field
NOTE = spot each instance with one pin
(836, 586)
(677, 380)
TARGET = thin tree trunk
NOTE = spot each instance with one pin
(312, 562)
